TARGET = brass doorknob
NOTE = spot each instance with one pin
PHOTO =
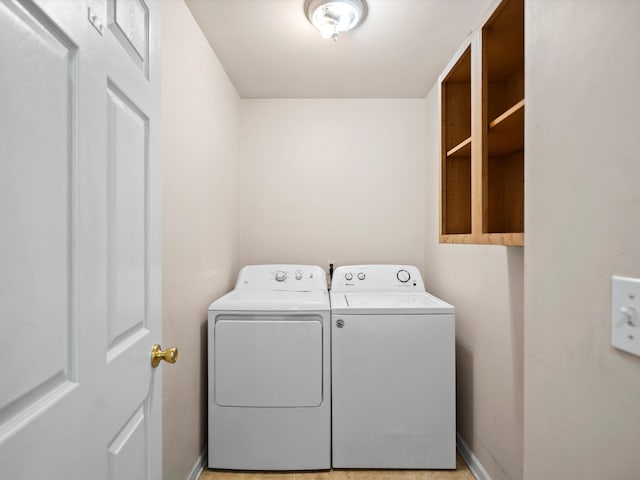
(169, 355)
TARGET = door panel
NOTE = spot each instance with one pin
(127, 129)
(129, 24)
(80, 222)
(36, 207)
(128, 451)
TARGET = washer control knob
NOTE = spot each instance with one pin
(298, 275)
(403, 276)
(348, 276)
(361, 276)
(281, 276)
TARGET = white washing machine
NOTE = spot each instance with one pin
(269, 371)
(393, 371)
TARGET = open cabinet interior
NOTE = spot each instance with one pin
(482, 108)
(456, 156)
(503, 119)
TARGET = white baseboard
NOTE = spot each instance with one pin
(195, 472)
(474, 464)
(472, 461)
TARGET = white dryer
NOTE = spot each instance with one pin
(393, 371)
(269, 371)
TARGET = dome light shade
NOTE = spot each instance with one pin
(333, 17)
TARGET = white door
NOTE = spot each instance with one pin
(80, 262)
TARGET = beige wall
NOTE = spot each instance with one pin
(339, 180)
(200, 110)
(582, 397)
(485, 283)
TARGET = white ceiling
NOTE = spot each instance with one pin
(270, 50)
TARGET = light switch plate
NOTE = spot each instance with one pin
(625, 314)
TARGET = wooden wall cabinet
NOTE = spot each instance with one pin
(482, 112)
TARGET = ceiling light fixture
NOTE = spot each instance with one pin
(332, 17)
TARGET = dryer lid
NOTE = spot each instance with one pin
(264, 300)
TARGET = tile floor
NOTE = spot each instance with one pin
(460, 473)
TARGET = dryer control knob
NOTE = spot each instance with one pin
(298, 275)
(281, 276)
(361, 276)
(348, 277)
(403, 276)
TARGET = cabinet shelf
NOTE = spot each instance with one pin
(506, 132)
(458, 238)
(517, 109)
(513, 239)
(463, 149)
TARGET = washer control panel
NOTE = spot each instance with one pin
(298, 278)
(377, 278)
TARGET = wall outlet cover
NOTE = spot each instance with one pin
(625, 314)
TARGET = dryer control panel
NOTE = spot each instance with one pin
(294, 278)
(377, 278)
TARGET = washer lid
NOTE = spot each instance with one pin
(397, 303)
(265, 300)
